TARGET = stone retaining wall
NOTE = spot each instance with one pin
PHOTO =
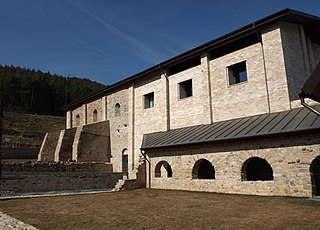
(43, 177)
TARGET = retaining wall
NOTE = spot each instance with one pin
(43, 177)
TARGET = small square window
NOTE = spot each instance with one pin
(149, 100)
(237, 73)
(185, 89)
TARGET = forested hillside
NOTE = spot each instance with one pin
(36, 92)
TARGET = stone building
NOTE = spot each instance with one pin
(222, 117)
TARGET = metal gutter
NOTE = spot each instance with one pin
(218, 42)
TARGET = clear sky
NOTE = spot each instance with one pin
(109, 40)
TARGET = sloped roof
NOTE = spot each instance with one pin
(310, 22)
(296, 120)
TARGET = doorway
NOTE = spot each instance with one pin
(125, 163)
(315, 176)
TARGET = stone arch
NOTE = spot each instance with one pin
(95, 115)
(256, 168)
(78, 122)
(117, 110)
(163, 167)
(203, 169)
(315, 176)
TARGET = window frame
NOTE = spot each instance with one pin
(183, 91)
(234, 73)
(147, 103)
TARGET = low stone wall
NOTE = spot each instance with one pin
(19, 153)
(140, 181)
(43, 177)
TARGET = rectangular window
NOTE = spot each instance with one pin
(149, 100)
(185, 89)
(237, 73)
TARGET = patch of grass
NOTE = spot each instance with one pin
(163, 209)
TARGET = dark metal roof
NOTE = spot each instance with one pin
(296, 120)
(310, 22)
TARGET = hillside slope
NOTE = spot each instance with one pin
(26, 130)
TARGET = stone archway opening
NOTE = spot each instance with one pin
(78, 120)
(315, 176)
(163, 169)
(95, 116)
(256, 169)
(203, 169)
(125, 163)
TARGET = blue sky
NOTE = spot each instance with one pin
(109, 40)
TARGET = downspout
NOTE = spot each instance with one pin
(167, 96)
(149, 168)
(302, 97)
(264, 63)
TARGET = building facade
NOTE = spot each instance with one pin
(159, 116)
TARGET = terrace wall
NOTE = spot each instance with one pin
(43, 177)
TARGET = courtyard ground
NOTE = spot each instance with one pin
(163, 209)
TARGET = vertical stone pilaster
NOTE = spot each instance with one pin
(131, 131)
(42, 147)
(69, 119)
(84, 114)
(205, 62)
(164, 78)
(104, 108)
(58, 147)
(275, 70)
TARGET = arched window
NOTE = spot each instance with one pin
(315, 176)
(95, 116)
(203, 169)
(163, 169)
(255, 169)
(117, 110)
(78, 120)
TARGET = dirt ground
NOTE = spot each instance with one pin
(163, 209)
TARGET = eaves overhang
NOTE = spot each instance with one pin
(286, 15)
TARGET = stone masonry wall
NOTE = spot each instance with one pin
(297, 60)
(289, 157)
(275, 69)
(267, 90)
(94, 143)
(243, 99)
(91, 107)
(147, 120)
(119, 126)
(65, 153)
(81, 112)
(22, 178)
(192, 110)
(48, 148)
